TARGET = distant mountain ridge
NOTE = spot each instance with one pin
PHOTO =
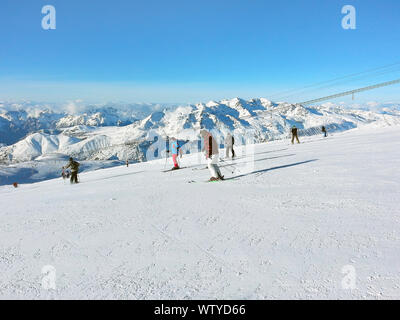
(109, 133)
(18, 120)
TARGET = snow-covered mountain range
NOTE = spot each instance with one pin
(109, 132)
(18, 120)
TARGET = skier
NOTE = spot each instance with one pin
(294, 134)
(175, 150)
(324, 131)
(167, 146)
(63, 173)
(74, 170)
(166, 151)
(127, 163)
(212, 155)
(229, 142)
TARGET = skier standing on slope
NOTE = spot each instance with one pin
(166, 151)
(294, 134)
(212, 155)
(175, 150)
(323, 129)
(63, 173)
(74, 170)
(229, 142)
(167, 146)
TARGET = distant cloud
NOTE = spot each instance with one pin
(370, 105)
(74, 107)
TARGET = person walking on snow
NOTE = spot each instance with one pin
(229, 142)
(74, 170)
(212, 155)
(323, 129)
(175, 151)
(294, 134)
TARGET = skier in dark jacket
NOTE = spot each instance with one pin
(294, 134)
(74, 170)
(323, 129)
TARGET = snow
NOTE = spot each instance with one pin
(45, 168)
(287, 230)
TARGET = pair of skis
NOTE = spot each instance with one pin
(208, 181)
(170, 170)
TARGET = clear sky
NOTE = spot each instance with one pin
(191, 50)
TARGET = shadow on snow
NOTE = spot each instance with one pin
(270, 169)
(112, 177)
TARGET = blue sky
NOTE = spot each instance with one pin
(190, 51)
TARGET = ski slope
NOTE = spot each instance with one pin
(285, 231)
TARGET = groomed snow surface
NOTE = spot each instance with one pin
(319, 220)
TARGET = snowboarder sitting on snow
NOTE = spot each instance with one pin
(74, 170)
(212, 155)
(294, 134)
(229, 142)
(175, 150)
(323, 129)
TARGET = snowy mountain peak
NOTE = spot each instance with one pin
(111, 133)
(212, 103)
